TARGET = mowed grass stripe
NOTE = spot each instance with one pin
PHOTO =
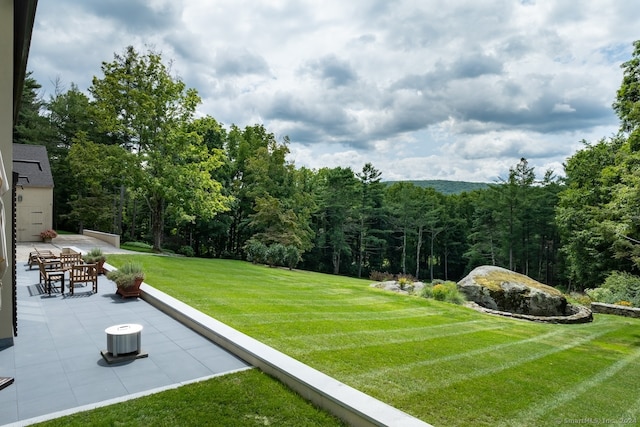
(405, 314)
(305, 344)
(446, 376)
(545, 406)
(310, 326)
(448, 357)
(491, 384)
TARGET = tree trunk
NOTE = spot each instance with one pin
(418, 246)
(433, 237)
(335, 258)
(404, 251)
(446, 262)
(157, 223)
(361, 249)
(132, 231)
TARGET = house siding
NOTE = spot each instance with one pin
(6, 126)
(34, 208)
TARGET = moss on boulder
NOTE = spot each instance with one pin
(500, 289)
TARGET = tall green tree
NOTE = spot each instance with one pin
(111, 166)
(430, 221)
(402, 200)
(586, 246)
(146, 110)
(33, 125)
(371, 219)
(208, 237)
(71, 118)
(335, 220)
(627, 104)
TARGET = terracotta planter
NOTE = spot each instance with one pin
(130, 291)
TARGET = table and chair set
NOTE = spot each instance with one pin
(54, 268)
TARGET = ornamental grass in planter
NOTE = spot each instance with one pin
(95, 256)
(128, 279)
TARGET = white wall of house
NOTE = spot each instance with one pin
(6, 125)
(34, 210)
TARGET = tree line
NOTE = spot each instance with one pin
(132, 157)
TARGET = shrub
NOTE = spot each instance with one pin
(276, 254)
(618, 286)
(408, 277)
(443, 291)
(291, 256)
(427, 291)
(600, 295)
(141, 245)
(404, 282)
(187, 251)
(579, 298)
(256, 251)
(439, 292)
(378, 276)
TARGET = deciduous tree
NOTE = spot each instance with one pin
(147, 110)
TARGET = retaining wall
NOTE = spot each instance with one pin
(618, 310)
(112, 239)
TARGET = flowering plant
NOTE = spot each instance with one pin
(48, 234)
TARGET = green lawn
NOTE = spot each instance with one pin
(230, 400)
(445, 364)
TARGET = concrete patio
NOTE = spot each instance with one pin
(56, 360)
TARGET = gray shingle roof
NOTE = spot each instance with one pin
(32, 164)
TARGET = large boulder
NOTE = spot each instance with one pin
(500, 289)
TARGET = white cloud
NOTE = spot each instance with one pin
(431, 89)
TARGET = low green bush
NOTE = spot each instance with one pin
(439, 292)
(187, 250)
(443, 291)
(404, 282)
(619, 286)
(256, 251)
(292, 256)
(579, 298)
(276, 254)
(141, 245)
(137, 247)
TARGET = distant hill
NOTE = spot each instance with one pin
(447, 187)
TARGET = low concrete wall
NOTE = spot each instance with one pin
(618, 310)
(352, 406)
(112, 239)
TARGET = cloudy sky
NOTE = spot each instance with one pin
(423, 89)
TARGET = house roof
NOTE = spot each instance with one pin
(23, 16)
(31, 162)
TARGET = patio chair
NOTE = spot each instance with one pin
(70, 259)
(83, 273)
(39, 253)
(49, 276)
